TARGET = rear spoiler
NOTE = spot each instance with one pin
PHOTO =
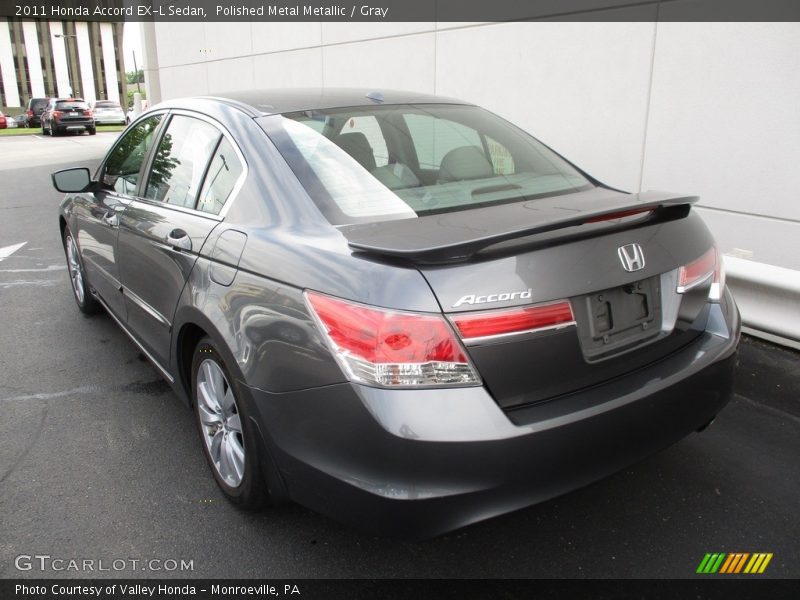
(456, 236)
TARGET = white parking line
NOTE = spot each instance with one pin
(7, 251)
(45, 269)
(30, 282)
(84, 389)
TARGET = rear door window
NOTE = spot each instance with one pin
(181, 160)
(223, 174)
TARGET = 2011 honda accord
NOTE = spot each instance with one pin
(396, 309)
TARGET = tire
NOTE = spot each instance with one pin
(93, 131)
(228, 439)
(84, 297)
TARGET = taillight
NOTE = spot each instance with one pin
(30, 113)
(57, 114)
(620, 215)
(487, 324)
(707, 267)
(88, 113)
(390, 348)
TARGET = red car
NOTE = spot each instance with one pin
(3, 123)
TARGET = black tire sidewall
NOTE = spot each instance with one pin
(90, 305)
(251, 493)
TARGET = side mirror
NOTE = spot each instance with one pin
(72, 180)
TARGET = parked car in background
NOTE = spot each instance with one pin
(4, 121)
(35, 109)
(22, 120)
(108, 112)
(397, 309)
(64, 115)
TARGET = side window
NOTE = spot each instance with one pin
(502, 161)
(434, 138)
(223, 173)
(368, 125)
(180, 161)
(123, 165)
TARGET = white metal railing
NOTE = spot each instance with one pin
(768, 297)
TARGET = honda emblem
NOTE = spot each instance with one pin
(631, 257)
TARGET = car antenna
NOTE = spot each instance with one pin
(375, 96)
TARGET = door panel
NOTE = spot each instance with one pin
(99, 213)
(154, 270)
(162, 233)
(98, 227)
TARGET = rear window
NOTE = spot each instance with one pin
(71, 105)
(375, 163)
(107, 104)
(39, 103)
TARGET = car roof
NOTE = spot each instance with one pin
(268, 102)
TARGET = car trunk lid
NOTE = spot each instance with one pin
(567, 248)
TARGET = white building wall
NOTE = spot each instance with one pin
(85, 60)
(64, 86)
(708, 108)
(7, 71)
(109, 61)
(35, 74)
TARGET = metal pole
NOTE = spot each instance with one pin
(66, 36)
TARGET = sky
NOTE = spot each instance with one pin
(131, 42)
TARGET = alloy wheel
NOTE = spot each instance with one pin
(220, 422)
(75, 271)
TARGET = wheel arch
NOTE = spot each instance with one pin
(191, 326)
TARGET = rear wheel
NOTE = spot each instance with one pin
(228, 439)
(92, 131)
(83, 294)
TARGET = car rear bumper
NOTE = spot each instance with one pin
(110, 119)
(74, 125)
(416, 463)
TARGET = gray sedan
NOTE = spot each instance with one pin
(396, 309)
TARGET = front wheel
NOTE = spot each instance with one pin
(228, 439)
(87, 303)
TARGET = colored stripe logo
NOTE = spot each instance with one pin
(733, 563)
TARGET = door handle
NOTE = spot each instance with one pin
(111, 219)
(179, 239)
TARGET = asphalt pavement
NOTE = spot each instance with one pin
(99, 460)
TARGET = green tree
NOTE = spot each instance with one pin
(130, 96)
(132, 76)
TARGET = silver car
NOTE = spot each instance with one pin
(108, 112)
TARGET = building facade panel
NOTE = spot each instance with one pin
(59, 58)
(34, 59)
(8, 70)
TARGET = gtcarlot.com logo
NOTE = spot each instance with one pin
(45, 562)
(734, 563)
